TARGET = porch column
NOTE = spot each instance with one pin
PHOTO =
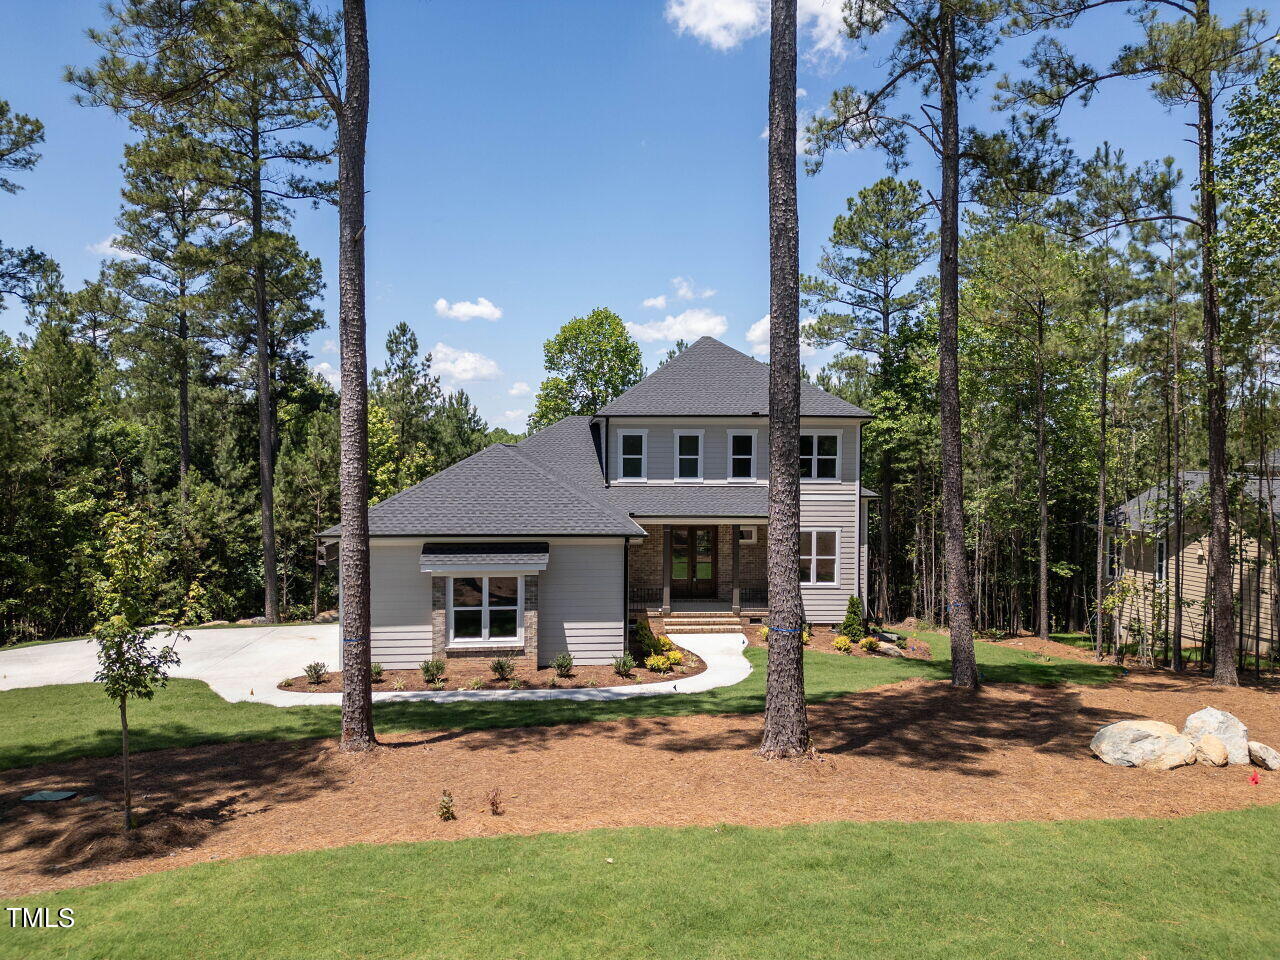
(666, 571)
(735, 549)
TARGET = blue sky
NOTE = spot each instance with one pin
(547, 157)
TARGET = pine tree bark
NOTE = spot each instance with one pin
(1042, 481)
(964, 665)
(1100, 558)
(353, 412)
(266, 408)
(786, 724)
(1224, 633)
(184, 398)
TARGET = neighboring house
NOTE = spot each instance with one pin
(1142, 559)
(657, 506)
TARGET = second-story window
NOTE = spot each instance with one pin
(631, 455)
(819, 456)
(1162, 560)
(742, 455)
(689, 455)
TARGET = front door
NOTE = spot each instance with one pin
(693, 562)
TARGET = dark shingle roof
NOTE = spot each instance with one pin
(691, 500)
(711, 379)
(1151, 511)
(496, 492)
(486, 553)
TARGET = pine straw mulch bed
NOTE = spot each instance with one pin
(821, 641)
(915, 750)
(461, 674)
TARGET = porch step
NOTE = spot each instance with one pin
(677, 628)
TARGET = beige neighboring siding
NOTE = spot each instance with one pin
(835, 507)
(582, 602)
(400, 611)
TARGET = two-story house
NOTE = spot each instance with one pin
(657, 506)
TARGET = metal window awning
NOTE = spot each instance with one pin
(484, 556)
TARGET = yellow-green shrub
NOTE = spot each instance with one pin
(869, 644)
(674, 657)
(665, 644)
(658, 663)
(843, 644)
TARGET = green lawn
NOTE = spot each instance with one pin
(1200, 889)
(54, 723)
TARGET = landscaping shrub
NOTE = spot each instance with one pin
(475, 683)
(665, 645)
(432, 670)
(843, 644)
(516, 684)
(375, 672)
(806, 637)
(868, 644)
(644, 634)
(855, 619)
(674, 657)
(397, 684)
(624, 664)
(504, 668)
(437, 684)
(563, 665)
(316, 672)
(445, 810)
(287, 682)
(658, 663)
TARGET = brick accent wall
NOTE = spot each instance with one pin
(645, 560)
(526, 658)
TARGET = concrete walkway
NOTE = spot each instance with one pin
(246, 663)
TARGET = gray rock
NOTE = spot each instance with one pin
(216, 623)
(1264, 756)
(1233, 733)
(889, 650)
(1143, 743)
(327, 616)
(1211, 750)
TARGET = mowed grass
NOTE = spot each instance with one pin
(63, 722)
(1199, 888)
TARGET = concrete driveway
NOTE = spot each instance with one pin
(239, 663)
(246, 663)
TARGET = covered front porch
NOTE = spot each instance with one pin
(707, 565)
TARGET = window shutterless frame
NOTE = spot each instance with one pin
(820, 455)
(742, 456)
(1162, 560)
(485, 610)
(687, 453)
(820, 558)
(633, 455)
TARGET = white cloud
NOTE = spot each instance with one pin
(106, 247)
(724, 24)
(515, 416)
(685, 289)
(330, 346)
(801, 93)
(463, 366)
(329, 372)
(758, 338)
(656, 303)
(519, 389)
(690, 325)
(464, 310)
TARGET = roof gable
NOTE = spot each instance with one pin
(710, 378)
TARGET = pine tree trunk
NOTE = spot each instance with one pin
(786, 724)
(266, 409)
(1042, 481)
(1224, 634)
(964, 666)
(353, 122)
(1100, 558)
(886, 493)
(124, 758)
(184, 399)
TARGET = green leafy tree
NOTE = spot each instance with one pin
(409, 393)
(129, 666)
(591, 360)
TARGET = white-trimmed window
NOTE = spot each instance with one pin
(688, 444)
(486, 610)
(742, 455)
(633, 454)
(1162, 560)
(747, 535)
(819, 553)
(819, 456)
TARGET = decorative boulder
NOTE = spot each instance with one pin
(1222, 725)
(1211, 750)
(327, 616)
(1143, 743)
(1264, 756)
(889, 649)
(216, 623)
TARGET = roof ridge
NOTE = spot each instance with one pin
(425, 480)
(578, 492)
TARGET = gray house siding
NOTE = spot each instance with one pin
(400, 609)
(833, 508)
(660, 444)
(582, 602)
